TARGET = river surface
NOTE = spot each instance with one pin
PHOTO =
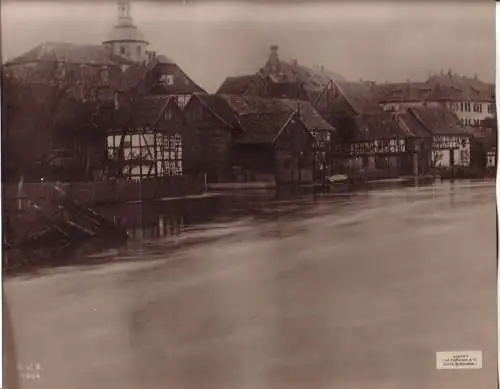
(349, 291)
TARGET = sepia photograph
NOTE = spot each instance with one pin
(249, 194)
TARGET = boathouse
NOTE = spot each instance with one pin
(275, 146)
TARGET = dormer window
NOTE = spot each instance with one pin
(167, 79)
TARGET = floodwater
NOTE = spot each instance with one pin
(353, 290)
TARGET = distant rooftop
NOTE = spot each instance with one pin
(70, 53)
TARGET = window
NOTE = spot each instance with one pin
(139, 52)
(490, 108)
(462, 123)
(122, 50)
(167, 79)
(143, 159)
(462, 106)
(170, 156)
(60, 70)
(105, 75)
(182, 100)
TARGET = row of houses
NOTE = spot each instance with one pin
(286, 122)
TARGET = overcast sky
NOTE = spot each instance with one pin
(370, 40)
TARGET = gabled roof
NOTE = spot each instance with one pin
(313, 79)
(450, 87)
(381, 125)
(402, 91)
(360, 96)
(471, 88)
(412, 125)
(70, 53)
(145, 112)
(245, 105)
(219, 107)
(236, 85)
(142, 78)
(437, 120)
(263, 127)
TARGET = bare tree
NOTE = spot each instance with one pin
(48, 123)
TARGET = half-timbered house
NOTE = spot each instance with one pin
(324, 134)
(451, 144)
(150, 140)
(470, 99)
(237, 134)
(381, 143)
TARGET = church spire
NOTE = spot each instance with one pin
(124, 16)
(125, 39)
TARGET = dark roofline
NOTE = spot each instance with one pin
(41, 47)
(207, 106)
(422, 122)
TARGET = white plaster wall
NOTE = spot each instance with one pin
(491, 159)
(403, 106)
(469, 117)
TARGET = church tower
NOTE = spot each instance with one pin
(125, 38)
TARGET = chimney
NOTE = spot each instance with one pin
(294, 62)
(274, 61)
(450, 73)
(475, 76)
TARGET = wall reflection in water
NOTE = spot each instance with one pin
(164, 226)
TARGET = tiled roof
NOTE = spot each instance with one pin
(147, 110)
(244, 105)
(262, 127)
(381, 125)
(437, 120)
(70, 53)
(309, 116)
(412, 125)
(220, 107)
(471, 88)
(436, 88)
(405, 91)
(361, 96)
(314, 79)
(236, 85)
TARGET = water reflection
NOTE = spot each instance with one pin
(164, 227)
(318, 290)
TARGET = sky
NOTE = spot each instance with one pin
(392, 41)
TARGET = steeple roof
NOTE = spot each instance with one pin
(125, 30)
